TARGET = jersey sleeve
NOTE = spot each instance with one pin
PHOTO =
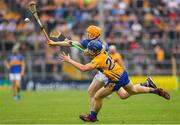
(84, 43)
(94, 63)
(21, 57)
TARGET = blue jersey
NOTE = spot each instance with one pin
(15, 62)
(84, 43)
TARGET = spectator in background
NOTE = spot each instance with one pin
(16, 65)
(116, 55)
(128, 23)
(160, 57)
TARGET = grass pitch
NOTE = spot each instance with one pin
(64, 107)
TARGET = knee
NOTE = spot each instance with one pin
(97, 98)
(91, 92)
(123, 94)
(123, 97)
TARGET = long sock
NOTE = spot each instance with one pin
(18, 91)
(93, 114)
(144, 84)
(154, 92)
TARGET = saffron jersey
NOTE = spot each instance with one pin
(104, 63)
(117, 57)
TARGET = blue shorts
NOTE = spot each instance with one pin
(123, 80)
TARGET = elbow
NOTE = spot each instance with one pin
(83, 69)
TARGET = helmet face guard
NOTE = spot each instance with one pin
(91, 53)
(94, 49)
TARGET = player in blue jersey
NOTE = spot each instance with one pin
(16, 65)
(94, 33)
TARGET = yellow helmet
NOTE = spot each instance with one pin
(94, 30)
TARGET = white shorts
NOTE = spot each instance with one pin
(101, 77)
(14, 76)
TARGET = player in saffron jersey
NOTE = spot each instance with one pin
(116, 74)
(94, 33)
(16, 65)
(123, 94)
(116, 55)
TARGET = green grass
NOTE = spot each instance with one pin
(64, 107)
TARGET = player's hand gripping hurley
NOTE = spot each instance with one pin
(62, 37)
(32, 9)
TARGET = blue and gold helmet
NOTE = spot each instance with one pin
(95, 46)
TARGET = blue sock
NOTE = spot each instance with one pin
(153, 91)
(143, 84)
(93, 114)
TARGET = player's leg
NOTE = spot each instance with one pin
(18, 88)
(138, 89)
(100, 94)
(123, 94)
(14, 88)
(18, 84)
(98, 98)
(95, 85)
(13, 82)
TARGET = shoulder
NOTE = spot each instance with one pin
(102, 55)
(20, 56)
(84, 43)
(99, 57)
(117, 54)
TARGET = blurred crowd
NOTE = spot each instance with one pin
(134, 26)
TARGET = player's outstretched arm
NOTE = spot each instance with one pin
(81, 67)
(63, 43)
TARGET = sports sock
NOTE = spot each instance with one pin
(93, 114)
(144, 84)
(154, 92)
(18, 90)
